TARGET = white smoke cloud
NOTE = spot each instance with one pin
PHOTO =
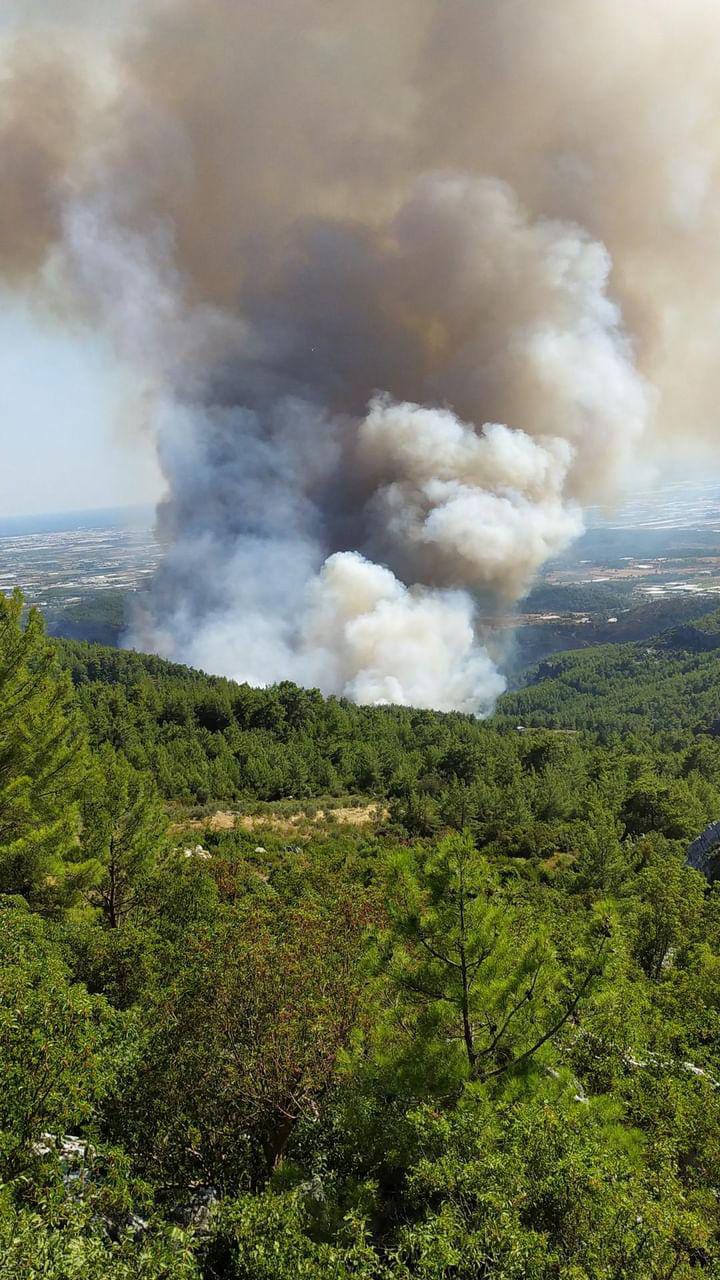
(379, 642)
(501, 218)
(452, 510)
(441, 510)
(484, 509)
(528, 322)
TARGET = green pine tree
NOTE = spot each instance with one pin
(477, 974)
(42, 760)
(123, 827)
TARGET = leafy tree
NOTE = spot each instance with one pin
(670, 808)
(270, 1237)
(603, 863)
(66, 1241)
(249, 1038)
(53, 1042)
(538, 1188)
(416, 811)
(671, 906)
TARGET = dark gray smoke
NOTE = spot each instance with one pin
(406, 285)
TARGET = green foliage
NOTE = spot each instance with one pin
(481, 978)
(537, 1189)
(41, 759)
(122, 832)
(481, 1038)
(603, 865)
(69, 1244)
(53, 1036)
(671, 898)
(267, 1237)
(248, 1039)
(628, 688)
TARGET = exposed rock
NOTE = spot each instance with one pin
(704, 853)
(197, 852)
(196, 1210)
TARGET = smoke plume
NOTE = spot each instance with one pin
(407, 285)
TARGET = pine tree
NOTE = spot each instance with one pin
(477, 975)
(603, 865)
(42, 759)
(122, 831)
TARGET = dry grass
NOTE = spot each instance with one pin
(285, 823)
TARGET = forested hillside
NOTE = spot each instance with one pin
(671, 682)
(478, 1036)
(625, 714)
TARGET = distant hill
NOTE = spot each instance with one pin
(100, 616)
(646, 621)
(61, 521)
(701, 636)
(668, 683)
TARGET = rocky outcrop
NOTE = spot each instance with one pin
(704, 853)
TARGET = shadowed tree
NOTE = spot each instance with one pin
(248, 1040)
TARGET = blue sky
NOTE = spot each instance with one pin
(67, 441)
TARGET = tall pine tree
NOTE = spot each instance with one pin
(42, 760)
(123, 827)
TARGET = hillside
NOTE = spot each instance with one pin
(587, 626)
(207, 738)
(290, 987)
(213, 745)
(667, 684)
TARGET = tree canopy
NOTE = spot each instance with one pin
(474, 1034)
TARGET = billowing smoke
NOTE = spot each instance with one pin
(406, 285)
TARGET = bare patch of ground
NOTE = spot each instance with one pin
(349, 816)
(286, 823)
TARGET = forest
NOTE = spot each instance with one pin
(476, 1035)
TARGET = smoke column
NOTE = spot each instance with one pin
(405, 286)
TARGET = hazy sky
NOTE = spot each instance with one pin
(66, 431)
(68, 438)
(105, 13)
(65, 422)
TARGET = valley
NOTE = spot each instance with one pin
(653, 564)
(243, 910)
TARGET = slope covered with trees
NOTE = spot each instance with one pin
(479, 1038)
(668, 683)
